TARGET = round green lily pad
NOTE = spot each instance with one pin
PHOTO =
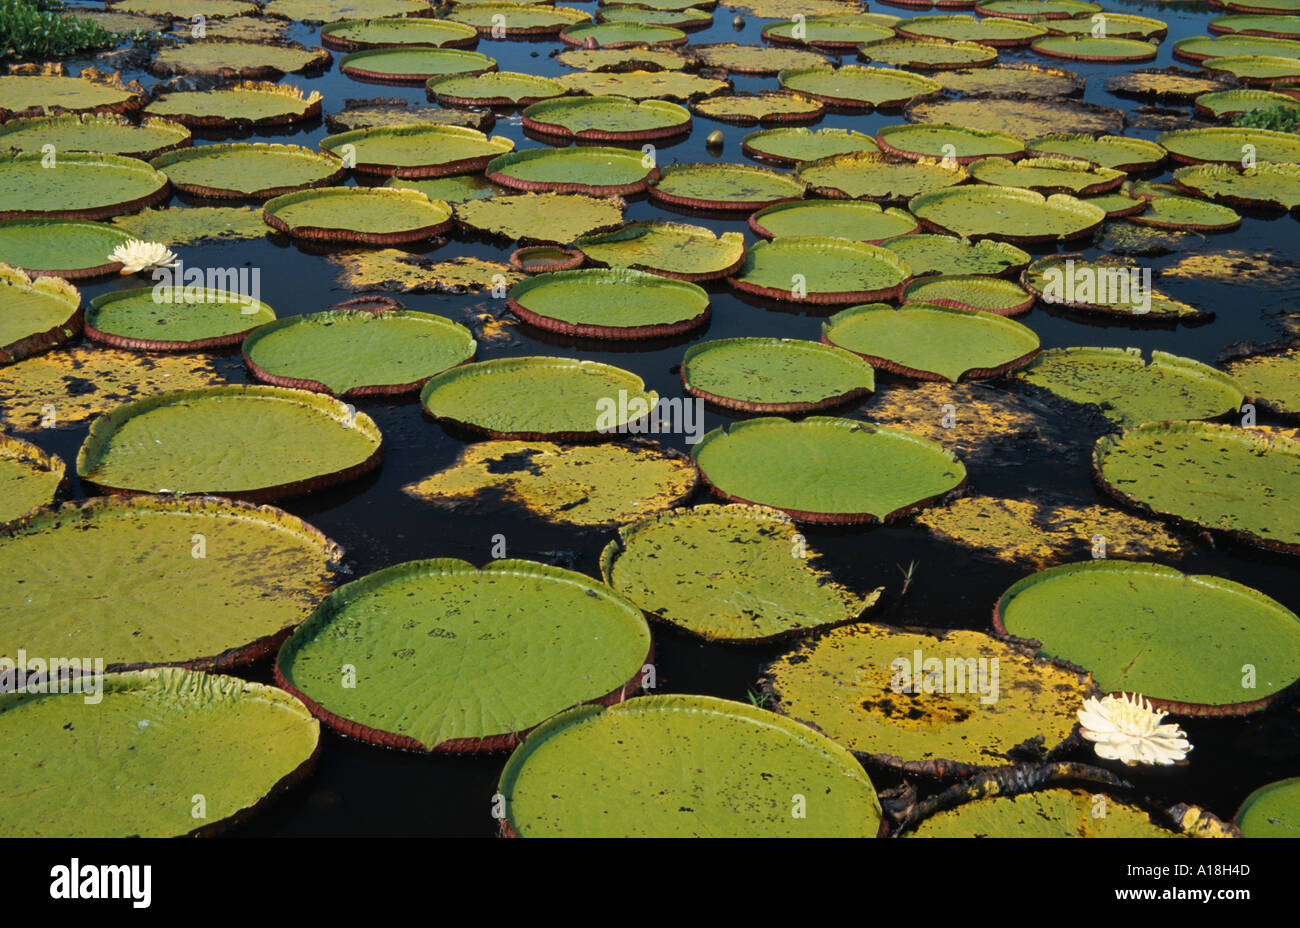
(928, 54)
(29, 478)
(821, 270)
(166, 318)
(459, 188)
(419, 150)
(1171, 86)
(932, 342)
(762, 108)
(1043, 813)
(1089, 48)
(193, 225)
(927, 253)
(1198, 48)
(756, 59)
(775, 375)
(994, 31)
(857, 87)
(1046, 175)
(51, 94)
(248, 170)
(938, 704)
(97, 132)
(641, 58)
(453, 658)
(1006, 213)
(1271, 380)
(1224, 104)
(641, 85)
(188, 735)
(1272, 811)
(753, 588)
(607, 118)
(833, 33)
(368, 215)
(683, 766)
(857, 220)
(1215, 476)
(1108, 151)
(66, 248)
(352, 34)
(553, 218)
(1114, 25)
(1255, 70)
(1021, 116)
(1280, 27)
(1130, 390)
(621, 35)
(723, 186)
(1020, 78)
(609, 303)
(1228, 145)
(970, 291)
(248, 60)
(1265, 184)
(413, 64)
(955, 143)
(515, 20)
(686, 19)
(243, 104)
(1036, 9)
(594, 170)
(38, 314)
(871, 175)
(794, 144)
(548, 399)
(811, 469)
(1118, 204)
(1146, 628)
(672, 249)
(80, 186)
(357, 353)
(495, 88)
(328, 11)
(598, 486)
(214, 440)
(207, 583)
(1108, 284)
(185, 9)
(1176, 212)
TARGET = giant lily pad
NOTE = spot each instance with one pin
(1265, 184)
(820, 270)
(1229, 145)
(490, 652)
(193, 225)
(51, 94)
(328, 11)
(723, 186)
(30, 478)
(1272, 811)
(1280, 27)
(1108, 285)
(1023, 117)
(1036, 9)
(956, 143)
(857, 87)
(928, 54)
(812, 470)
(64, 248)
(970, 291)
(458, 188)
(1046, 175)
(184, 9)
(248, 60)
(416, 150)
(932, 342)
(995, 31)
(833, 33)
(109, 134)
(589, 485)
(555, 218)
(1006, 213)
(496, 88)
(1172, 85)
(1113, 26)
(1019, 78)
(594, 170)
(1187, 213)
(187, 735)
(1090, 48)
(413, 64)
(1215, 476)
(165, 318)
(669, 248)
(551, 399)
(1146, 628)
(79, 186)
(1129, 390)
(609, 303)
(756, 59)
(873, 176)
(1256, 70)
(1198, 48)
(752, 589)
(621, 35)
(795, 144)
(207, 583)
(369, 215)
(1224, 104)
(243, 104)
(643, 58)
(248, 170)
(644, 85)
(1107, 151)
(763, 108)
(38, 314)
(607, 119)
(926, 253)
(357, 353)
(709, 782)
(352, 34)
(774, 375)
(1272, 380)
(856, 220)
(513, 20)
(212, 441)
(939, 704)
(686, 19)
(1043, 813)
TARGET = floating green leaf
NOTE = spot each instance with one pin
(239, 105)
(250, 60)
(1272, 811)
(1023, 117)
(1044, 813)
(927, 253)
(1091, 48)
(928, 54)
(799, 143)
(416, 150)
(1020, 78)
(413, 64)
(248, 170)
(106, 133)
(1107, 151)
(369, 215)
(726, 186)
(79, 186)
(857, 220)
(351, 34)
(958, 143)
(858, 87)
(1175, 212)
(192, 225)
(29, 478)
(541, 217)
(762, 108)
(995, 31)
(607, 118)
(816, 269)
(166, 318)
(64, 248)
(1272, 380)
(1046, 175)
(1224, 145)
(496, 88)
(774, 375)
(870, 175)
(609, 303)
(970, 291)
(672, 249)
(1106, 284)
(756, 59)
(38, 314)
(1262, 185)
(642, 85)
(594, 170)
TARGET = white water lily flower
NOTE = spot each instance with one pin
(137, 256)
(1129, 730)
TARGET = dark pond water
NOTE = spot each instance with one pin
(362, 790)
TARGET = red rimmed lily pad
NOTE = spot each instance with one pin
(416, 151)
(413, 65)
(1047, 175)
(266, 61)
(94, 132)
(91, 91)
(928, 54)
(1008, 214)
(776, 376)
(955, 144)
(607, 119)
(248, 170)
(971, 291)
(173, 318)
(366, 215)
(79, 186)
(38, 314)
(351, 35)
(672, 249)
(1090, 48)
(498, 20)
(821, 271)
(30, 478)
(622, 35)
(494, 88)
(723, 186)
(241, 105)
(857, 87)
(876, 176)
(856, 220)
(790, 146)
(614, 303)
(591, 170)
(762, 108)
